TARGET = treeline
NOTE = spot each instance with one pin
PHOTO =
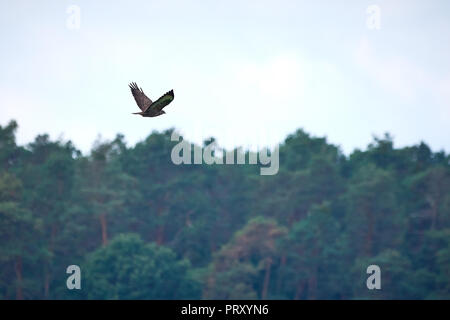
(141, 227)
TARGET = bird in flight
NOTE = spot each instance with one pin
(148, 107)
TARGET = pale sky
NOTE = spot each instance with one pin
(247, 72)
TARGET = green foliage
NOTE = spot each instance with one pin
(129, 268)
(141, 227)
(18, 250)
(240, 268)
(316, 252)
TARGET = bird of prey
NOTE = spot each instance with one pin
(148, 107)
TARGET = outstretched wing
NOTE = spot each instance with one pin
(159, 104)
(141, 99)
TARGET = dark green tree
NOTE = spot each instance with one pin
(129, 268)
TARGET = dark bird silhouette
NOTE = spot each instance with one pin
(148, 107)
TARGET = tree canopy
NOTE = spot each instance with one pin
(141, 227)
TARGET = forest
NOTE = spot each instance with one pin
(141, 227)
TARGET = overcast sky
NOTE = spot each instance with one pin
(246, 72)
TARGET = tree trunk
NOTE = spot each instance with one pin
(104, 229)
(312, 286)
(18, 269)
(266, 279)
(160, 235)
(160, 230)
(299, 290)
(312, 281)
(432, 204)
(47, 272)
(47, 285)
(369, 237)
(280, 272)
